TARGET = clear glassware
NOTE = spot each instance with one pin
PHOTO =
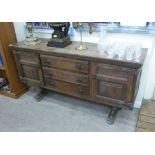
(111, 50)
(102, 46)
(129, 52)
(133, 52)
(137, 52)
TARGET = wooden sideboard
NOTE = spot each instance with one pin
(84, 74)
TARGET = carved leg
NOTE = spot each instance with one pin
(112, 115)
(40, 95)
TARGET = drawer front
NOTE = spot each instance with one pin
(112, 71)
(64, 63)
(67, 88)
(66, 76)
(28, 58)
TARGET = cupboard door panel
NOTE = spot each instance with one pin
(28, 68)
(113, 86)
(111, 90)
(30, 74)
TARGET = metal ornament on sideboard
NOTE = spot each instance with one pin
(77, 25)
(30, 38)
(60, 36)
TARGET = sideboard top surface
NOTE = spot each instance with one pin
(91, 53)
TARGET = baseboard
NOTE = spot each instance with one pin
(20, 92)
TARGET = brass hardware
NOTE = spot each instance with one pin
(81, 47)
(77, 25)
(30, 38)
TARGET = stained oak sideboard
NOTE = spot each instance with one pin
(84, 74)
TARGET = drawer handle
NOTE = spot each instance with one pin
(94, 77)
(79, 80)
(78, 65)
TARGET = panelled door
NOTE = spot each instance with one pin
(29, 69)
(111, 84)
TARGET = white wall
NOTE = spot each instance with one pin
(147, 82)
(20, 31)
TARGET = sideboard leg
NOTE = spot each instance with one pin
(40, 95)
(112, 115)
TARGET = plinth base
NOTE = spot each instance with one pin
(59, 42)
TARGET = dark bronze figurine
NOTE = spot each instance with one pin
(60, 36)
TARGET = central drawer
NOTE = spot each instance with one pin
(64, 63)
(67, 76)
(68, 88)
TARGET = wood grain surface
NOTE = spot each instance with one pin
(146, 120)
